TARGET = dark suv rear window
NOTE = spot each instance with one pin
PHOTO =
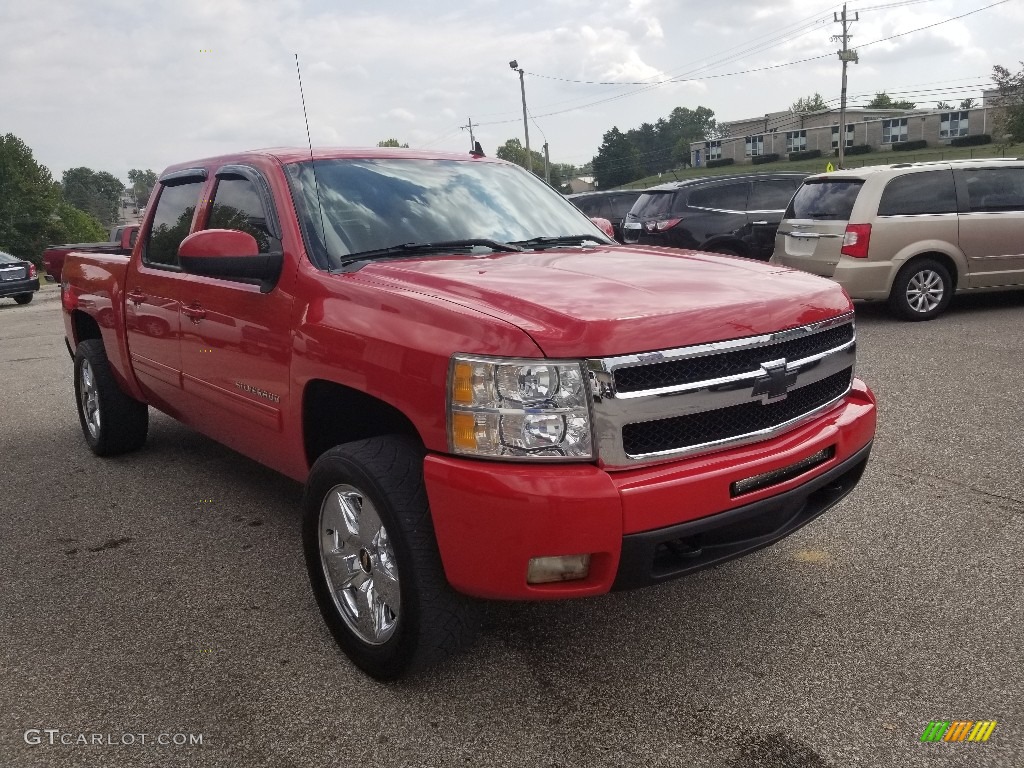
(652, 204)
(917, 193)
(830, 199)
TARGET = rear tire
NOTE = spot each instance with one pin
(922, 290)
(373, 560)
(112, 422)
(24, 298)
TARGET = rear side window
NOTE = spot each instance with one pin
(830, 199)
(237, 205)
(592, 206)
(728, 197)
(772, 194)
(652, 204)
(171, 223)
(917, 193)
(995, 189)
(621, 205)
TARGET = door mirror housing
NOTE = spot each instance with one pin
(229, 254)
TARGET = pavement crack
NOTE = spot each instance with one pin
(1012, 500)
(110, 544)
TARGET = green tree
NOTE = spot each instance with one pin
(392, 143)
(28, 197)
(617, 161)
(883, 100)
(808, 104)
(967, 103)
(513, 151)
(1010, 114)
(142, 183)
(70, 225)
(943, 105)
(96, 192)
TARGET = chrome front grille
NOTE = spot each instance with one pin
(659, 406)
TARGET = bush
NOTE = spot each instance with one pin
(971, 141)
(719, 163)
(907, 146)
(857, 149)
(762, 159)
(807, 154)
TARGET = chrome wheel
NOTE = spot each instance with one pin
(925, 290)
(359, 564)
(90, 397)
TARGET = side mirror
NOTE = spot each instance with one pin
(230, 255)
(604, 225)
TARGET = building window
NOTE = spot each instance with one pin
(713, 149)
(796, 141)
(894, 130)
(755, 145)
(953, 124)
(835, 136)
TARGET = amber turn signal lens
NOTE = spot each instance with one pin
(462, 384)
(464, 431)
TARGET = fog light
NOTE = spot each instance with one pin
(543, 570)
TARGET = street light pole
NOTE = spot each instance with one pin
(526, 126)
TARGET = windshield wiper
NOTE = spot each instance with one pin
(536, 242)
(411, 249)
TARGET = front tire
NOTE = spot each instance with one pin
(112, 422)
(24, 298)
(921, 291)
(373, 560)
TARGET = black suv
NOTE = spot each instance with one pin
(736, 215)
(612, 205)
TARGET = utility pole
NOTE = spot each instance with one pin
(472, 139)
(547, 164)
(846, 56)
(526, 126)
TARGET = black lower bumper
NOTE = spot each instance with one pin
(18, 287)
(655, 556)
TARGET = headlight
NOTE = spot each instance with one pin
(518, 409)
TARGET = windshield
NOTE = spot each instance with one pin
(826, 199)
(373, 204)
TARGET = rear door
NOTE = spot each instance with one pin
(715, 215)
(767, 204)
(152, 291)
(992, 224)
(811, 233)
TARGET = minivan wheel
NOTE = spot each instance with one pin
(373, 561)
(922, 290)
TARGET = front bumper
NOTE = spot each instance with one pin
(491, 518)
(18, 287)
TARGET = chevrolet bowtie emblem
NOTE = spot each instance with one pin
(774, 385)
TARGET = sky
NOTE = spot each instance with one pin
(120, 84)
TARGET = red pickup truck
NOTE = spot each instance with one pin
(483, 393)
(122, 240)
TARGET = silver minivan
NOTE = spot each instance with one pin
(912, 234)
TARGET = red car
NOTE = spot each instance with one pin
(483, 393)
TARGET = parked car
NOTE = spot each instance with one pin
(484, 394)
(611, 204)
(122, 240)
(735, 215)
(912, 234)
(18, 278)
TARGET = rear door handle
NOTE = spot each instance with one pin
(759, 223)
(136, 297)
(195, 313)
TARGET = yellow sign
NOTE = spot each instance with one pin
(829, 168)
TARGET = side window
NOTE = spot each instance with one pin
(237, 205)
(171, 223)
(728, 197)
(917, 193)
(995, 189)
(588, 205)
(772, 194)
(621, 205)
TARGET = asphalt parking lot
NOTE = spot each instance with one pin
(164, 593)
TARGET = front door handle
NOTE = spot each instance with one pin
(136, 297)
(195, 313)
(759, 223)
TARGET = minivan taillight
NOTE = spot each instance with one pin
(856, 241)
(661, 225)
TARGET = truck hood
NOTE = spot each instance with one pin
(599, 302)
